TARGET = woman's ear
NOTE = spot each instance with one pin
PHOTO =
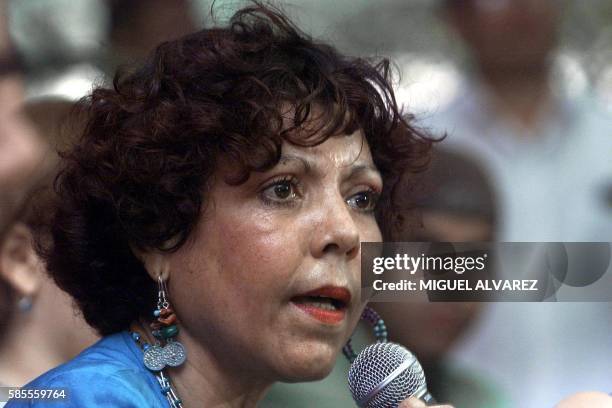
(155, 262)
(20, 266)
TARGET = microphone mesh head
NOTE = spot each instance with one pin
(374, 364)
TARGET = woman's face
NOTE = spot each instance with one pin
(270, 280)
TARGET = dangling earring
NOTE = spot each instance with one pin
(378, 326)
(166, 351)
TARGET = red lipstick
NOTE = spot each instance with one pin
(326, 304)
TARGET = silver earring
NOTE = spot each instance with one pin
(166, 351)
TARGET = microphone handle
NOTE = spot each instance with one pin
(428, 399)
(425, 396)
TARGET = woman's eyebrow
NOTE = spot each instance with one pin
(360, 168)
(309, 167)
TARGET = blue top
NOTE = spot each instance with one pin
(110, 373)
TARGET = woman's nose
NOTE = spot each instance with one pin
(336, 231)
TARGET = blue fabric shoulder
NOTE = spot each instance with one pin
(108, 374)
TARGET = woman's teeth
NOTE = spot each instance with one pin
(319, 302)
(324, 305)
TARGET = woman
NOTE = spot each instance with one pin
(211, 215)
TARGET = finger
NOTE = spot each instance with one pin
(586, 400)
(413, 402)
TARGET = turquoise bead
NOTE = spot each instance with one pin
(169, 331)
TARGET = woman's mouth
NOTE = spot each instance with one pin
(327, 305)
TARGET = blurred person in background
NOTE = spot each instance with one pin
(548, 153)
(68, 47)
(458, 205)
(20, 151)
(20, 148)
(548, 156)
(39, 327)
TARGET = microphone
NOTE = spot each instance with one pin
(385, 374)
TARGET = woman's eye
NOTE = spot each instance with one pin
(279, 192)
(364, 201)
(282, 190)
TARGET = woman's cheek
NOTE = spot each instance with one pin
(258, 254)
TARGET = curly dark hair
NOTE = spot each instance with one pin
(137, 178)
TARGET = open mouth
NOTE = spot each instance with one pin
(320, 302)
(327, 305)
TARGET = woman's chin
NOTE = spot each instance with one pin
(305, 374)
(308, 363)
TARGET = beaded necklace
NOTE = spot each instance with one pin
(370, 316)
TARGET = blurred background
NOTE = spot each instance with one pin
(521, 88)
(67, 44)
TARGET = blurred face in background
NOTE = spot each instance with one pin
(458, 206)
(435, 326)
(28, 164)
(21, 150)
(507, 34)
